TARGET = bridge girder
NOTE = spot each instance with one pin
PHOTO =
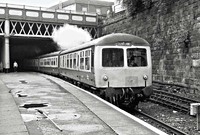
(22, 26)
(39, 29)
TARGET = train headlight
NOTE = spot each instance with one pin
(105, 78)
(145, 77)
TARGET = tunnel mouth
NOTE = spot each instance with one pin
(34, 105)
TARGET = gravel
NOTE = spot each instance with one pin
(180, 120)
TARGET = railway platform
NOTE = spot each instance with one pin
(66, 109)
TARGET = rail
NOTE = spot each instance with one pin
(171, 100)
(168, 128)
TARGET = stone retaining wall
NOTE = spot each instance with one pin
(172, 27)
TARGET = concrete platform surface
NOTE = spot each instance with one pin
(73, 110)
(11, 122)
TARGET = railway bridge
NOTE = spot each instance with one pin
(26, 31)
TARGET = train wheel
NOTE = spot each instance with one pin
(113, 100)
(117, 100)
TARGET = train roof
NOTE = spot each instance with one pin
(50, 54)
(111, 39)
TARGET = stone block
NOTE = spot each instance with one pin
(196, 63)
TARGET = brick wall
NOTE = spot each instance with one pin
(172, 27)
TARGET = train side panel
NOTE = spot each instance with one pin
(79, 76)
(49, 65)
(78, 65)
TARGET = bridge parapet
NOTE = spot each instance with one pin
(39, 14)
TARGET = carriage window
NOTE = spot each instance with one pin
(48, 61)
(82, 60)
(136, 57)
(60, 61)
(70, 60)
(87, 60)
(52, 62)
(112, 57)
(67, 60)
(63, 61)
(41, 62)
(74, 61)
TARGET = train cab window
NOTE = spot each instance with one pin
(136, 57)
(112, 57)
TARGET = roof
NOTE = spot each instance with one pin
(50, 54)
(111, 39)
(91, 2)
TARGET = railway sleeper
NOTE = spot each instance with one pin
(170, 104)
(176, 99)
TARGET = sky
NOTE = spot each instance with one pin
(38, 3)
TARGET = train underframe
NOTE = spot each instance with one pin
(128, 97)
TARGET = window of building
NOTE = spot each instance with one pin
(84, 9)
(98, 11)
(71, 7)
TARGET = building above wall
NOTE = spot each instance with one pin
(87, 6)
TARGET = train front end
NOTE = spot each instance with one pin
(124, 72)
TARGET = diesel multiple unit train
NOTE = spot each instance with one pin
(116, 65)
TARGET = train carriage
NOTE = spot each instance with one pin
(118, 65)
(77, 64)
(48, 63)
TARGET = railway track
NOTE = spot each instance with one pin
(168, 129)
(175, 101)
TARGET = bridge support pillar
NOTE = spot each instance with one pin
(6, 47)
